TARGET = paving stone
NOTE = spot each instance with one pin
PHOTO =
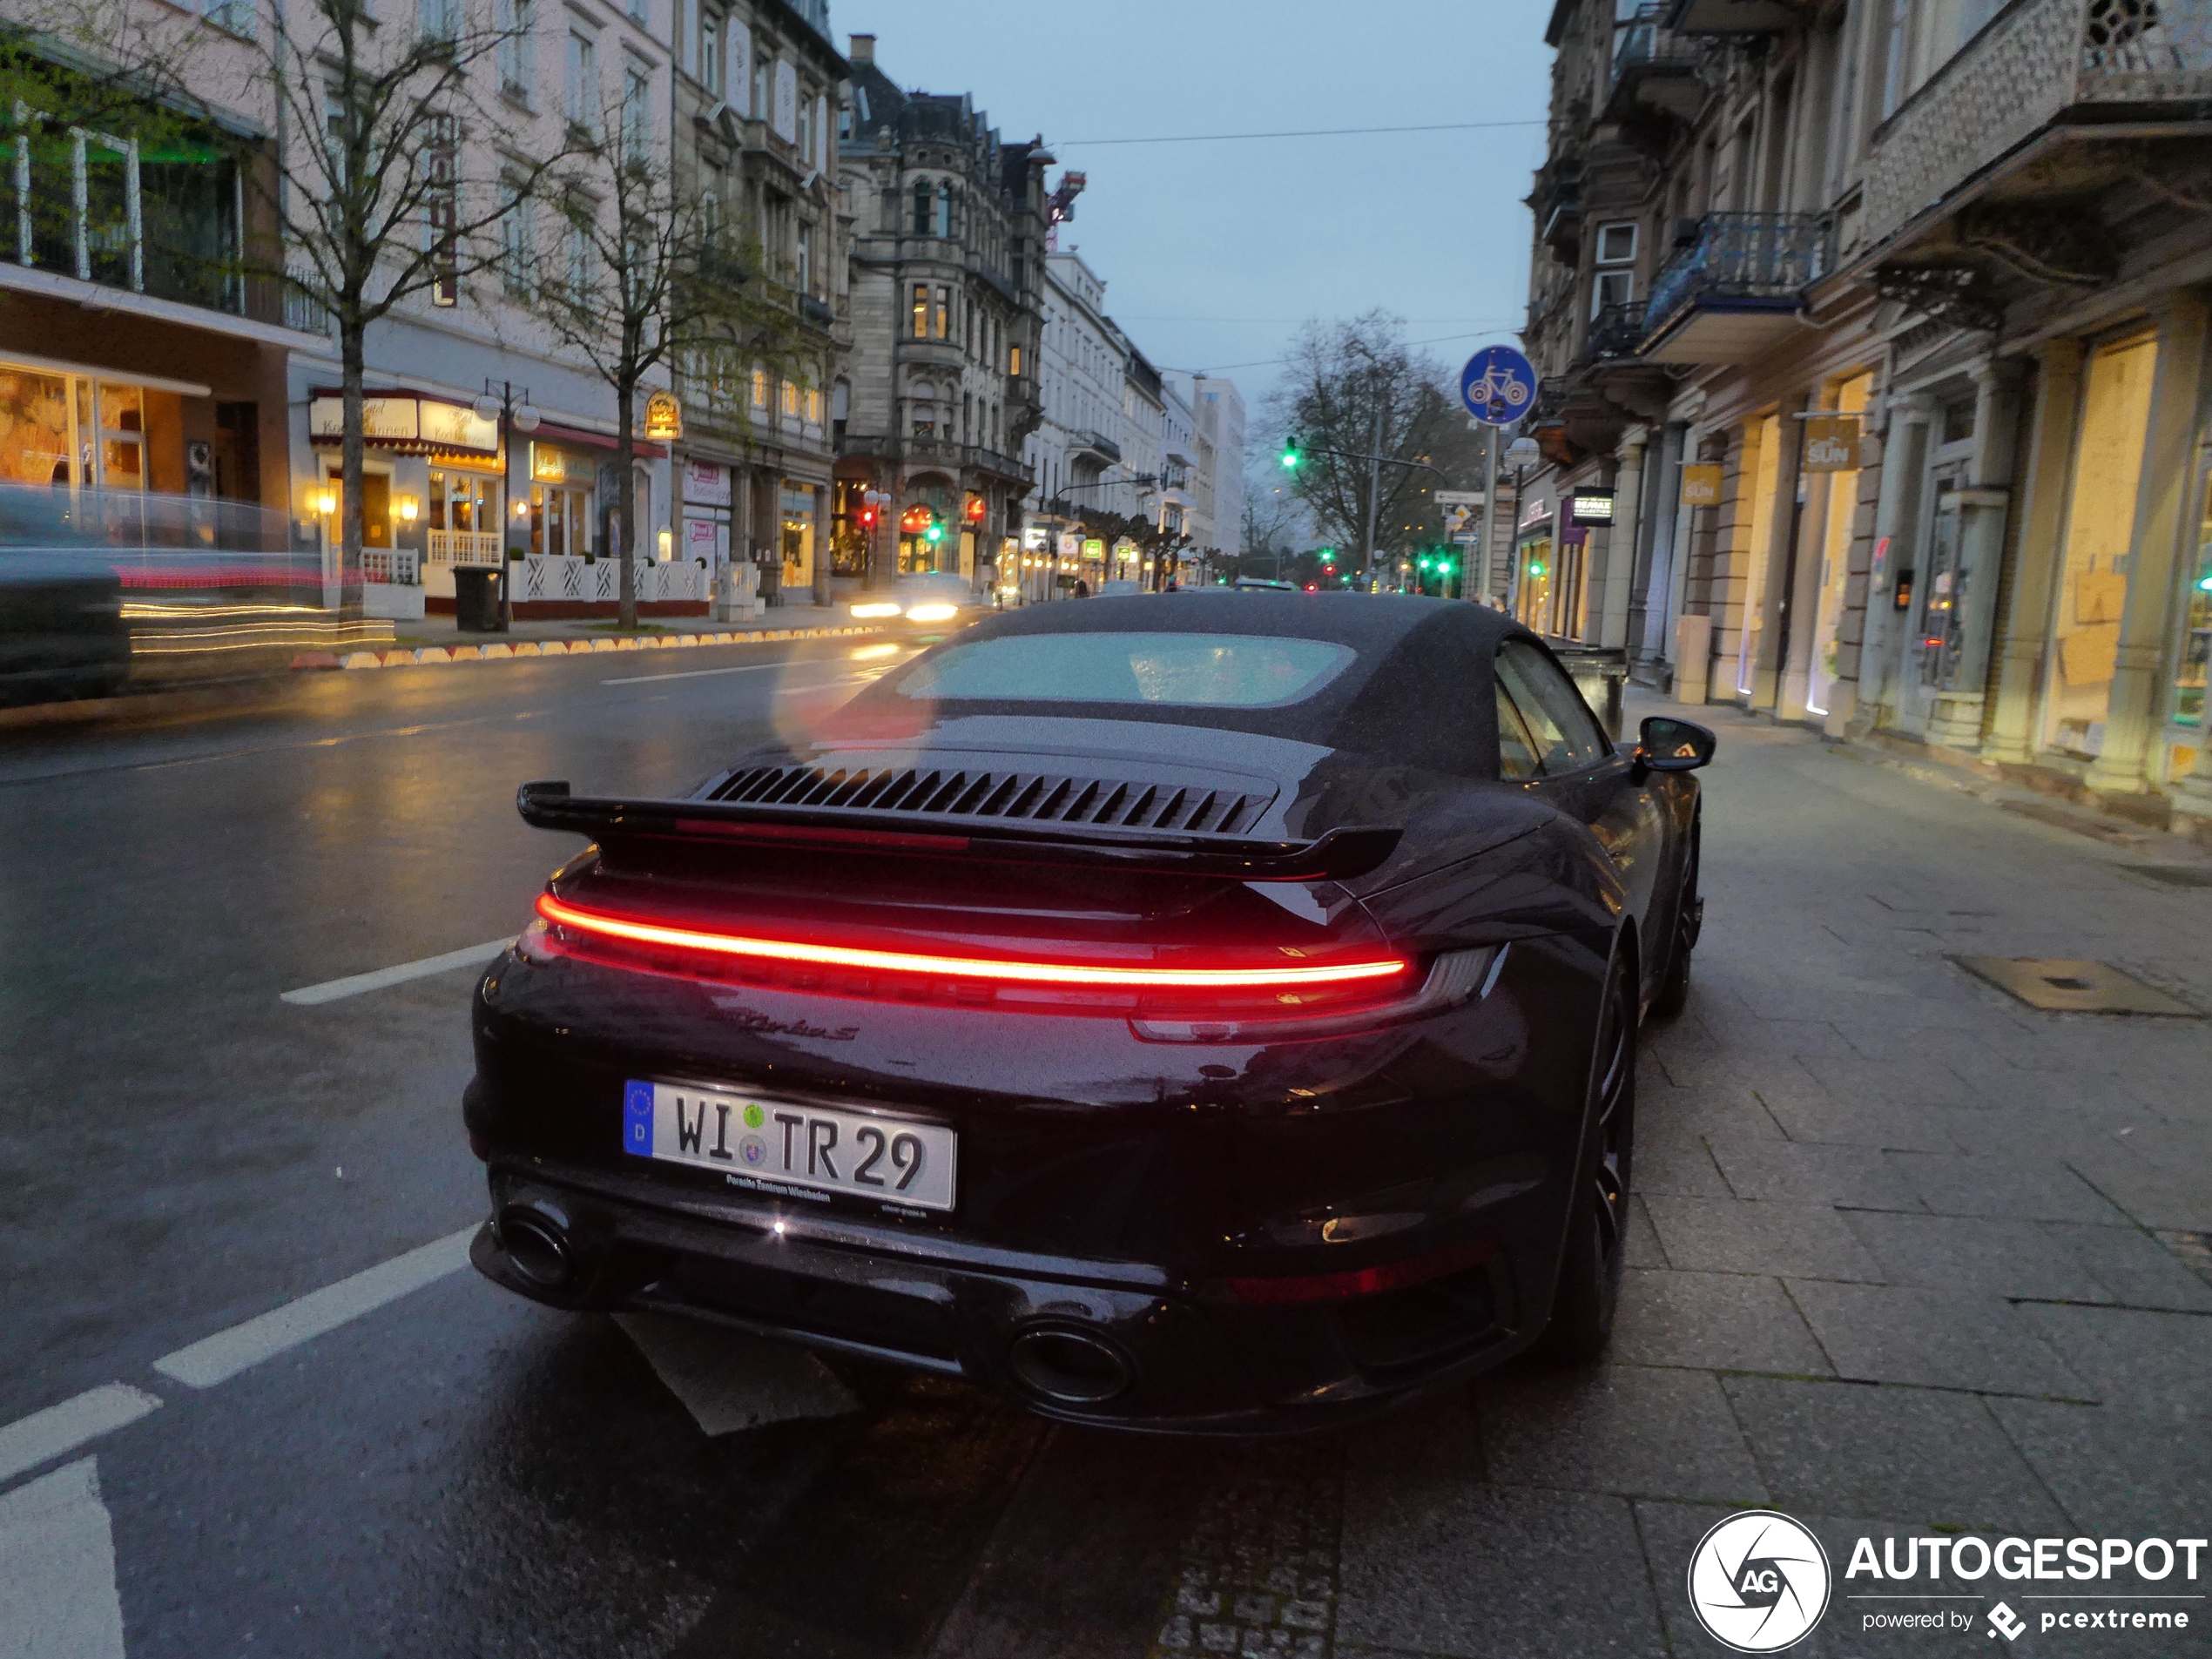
(2177, 1196)
(1892, 1082)
(1726, 1106)
(1641, 1248)
(2134, 1266)
(2129, 1354)
(1747, 1236)
(1486, 1572)
(2132, 1470)
(1935, 1338)
(2042, 1133)
(2018, 1258)
(1934, 1458)
(1797, 1171)
(1859, 1123)
(1683, 1166)
(1633, 1429)
(1719, 1321)
(2002, 1187)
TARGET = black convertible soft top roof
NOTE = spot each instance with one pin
(1419, 695)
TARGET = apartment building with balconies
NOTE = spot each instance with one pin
(1882, 321)
(939, 393)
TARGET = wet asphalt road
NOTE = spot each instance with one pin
(456, 1471)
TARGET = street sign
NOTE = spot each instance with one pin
(1498, 386)
(1456, 497)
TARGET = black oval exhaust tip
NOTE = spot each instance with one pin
(1070, 1367)
(535, 1245)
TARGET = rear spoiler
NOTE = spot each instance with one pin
(1339, 855)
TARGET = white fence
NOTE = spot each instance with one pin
(465, 547)
(571, 580)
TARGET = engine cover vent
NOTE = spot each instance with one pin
(1011, 797)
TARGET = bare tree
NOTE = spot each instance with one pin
(1273, 516)
(363, 195)
(1354, 387)
(650, 280)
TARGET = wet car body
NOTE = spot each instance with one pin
(63, 634)
(1165, 1213)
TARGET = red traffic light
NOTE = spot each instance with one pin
(868, 517)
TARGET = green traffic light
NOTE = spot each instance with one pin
(1291, 456)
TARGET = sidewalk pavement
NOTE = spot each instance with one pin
(1907, 1256)
(441, 631)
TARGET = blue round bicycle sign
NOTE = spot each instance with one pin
(1498, 386)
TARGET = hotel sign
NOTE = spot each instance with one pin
(404, 421)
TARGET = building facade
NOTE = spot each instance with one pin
(946, 289)
(759, 96)
(1872, 338)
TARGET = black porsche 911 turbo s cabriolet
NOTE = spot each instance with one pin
(1207, 1013)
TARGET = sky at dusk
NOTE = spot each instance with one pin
(1214, 253)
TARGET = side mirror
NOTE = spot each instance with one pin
(1665, 745)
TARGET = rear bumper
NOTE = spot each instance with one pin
(1112, 1343)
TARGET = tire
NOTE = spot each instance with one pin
(1672, 995)
(1589, 1291)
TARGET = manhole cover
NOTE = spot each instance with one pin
(2062, 986)
(2173, 875)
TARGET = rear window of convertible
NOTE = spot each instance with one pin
(1185, 671)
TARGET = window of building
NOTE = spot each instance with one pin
(514, 19)
(2099, 534)
(944, 210)
(922, 199)
(806, 259)
(759, 390)
(580, 263)
(790, 399)
(761, 90)
(921, 310)
(637, 110)
(583, 81)
(1615, 281)
(711, 50)
(514, 238)
(1896, 46)
(944, 317)
(437, 20)
(1014, 361)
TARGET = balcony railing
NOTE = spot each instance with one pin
(2037, 61)
(1740, 256)
(1099, 443)
(1616, 332)
(1645, 42)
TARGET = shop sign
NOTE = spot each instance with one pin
(552, 465)
(1831, 443)
(1035, 538)
(1095, 549)
(664, 418)
(1071, 544)
(1538, 511)
(408, 420)
(1701, 485)
(1591, 507)
(699, 541)
(706, 482)
(1124, 548)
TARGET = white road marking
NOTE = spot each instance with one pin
(29, 1441)
(58, 1595)
(353, 985)
(218, 1358)
(729, 1380)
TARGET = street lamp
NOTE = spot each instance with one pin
(513, 416)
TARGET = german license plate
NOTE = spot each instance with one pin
(769, 1144)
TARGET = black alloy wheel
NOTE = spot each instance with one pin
(1589, 1271)
(1689, 918)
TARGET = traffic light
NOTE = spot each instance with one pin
(1293, 454)
(935, 534)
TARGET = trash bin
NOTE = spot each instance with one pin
(478, 592)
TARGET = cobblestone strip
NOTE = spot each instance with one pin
(1258, 1576)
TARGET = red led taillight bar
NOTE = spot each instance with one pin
(638, 931)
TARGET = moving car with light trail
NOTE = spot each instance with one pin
(1213, 1016)
(925, 597)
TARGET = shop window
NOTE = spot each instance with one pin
(1832, 513)
(798, 544)
(560, 521)
(35, 429)
(1763, 460)
(2196, 637)
(2101, 521)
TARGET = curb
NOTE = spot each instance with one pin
(432, 655)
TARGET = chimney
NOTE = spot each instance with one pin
(863, 49)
